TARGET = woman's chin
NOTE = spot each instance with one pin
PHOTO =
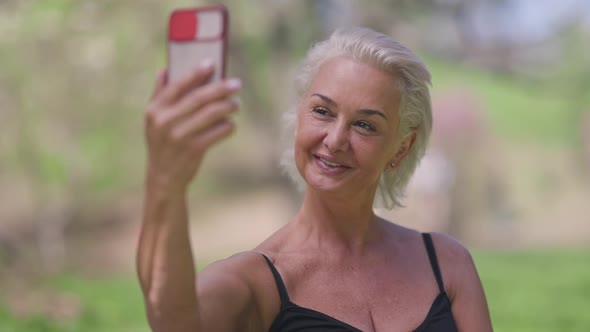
(321, 183)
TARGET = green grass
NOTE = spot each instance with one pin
(537, 291)
(543, 291)
(113, 305)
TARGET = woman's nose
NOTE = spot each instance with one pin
(336, 138)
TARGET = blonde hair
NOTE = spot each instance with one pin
(379, 50)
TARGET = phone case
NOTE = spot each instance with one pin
(194, 35)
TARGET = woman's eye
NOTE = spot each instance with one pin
(365, 125)
(321, 111)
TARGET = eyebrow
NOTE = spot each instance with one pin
(364, 111)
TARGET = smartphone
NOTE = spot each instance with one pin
(194, 35)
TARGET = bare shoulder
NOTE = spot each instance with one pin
(448, 244)
(451, 250)
(230, 288)
(239, 272)
(239, 263)
(464, 288)
(455, 261)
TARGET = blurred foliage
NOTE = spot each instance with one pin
(78, 75)
(541, 291)
(74, 85)
(519, 111)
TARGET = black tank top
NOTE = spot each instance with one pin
(294, 318)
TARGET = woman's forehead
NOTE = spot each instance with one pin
(355, 83)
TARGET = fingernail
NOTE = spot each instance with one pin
(233, 84)
(206, 64)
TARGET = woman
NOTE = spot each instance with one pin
(362, 122)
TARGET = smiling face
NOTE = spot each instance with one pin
(346, 127)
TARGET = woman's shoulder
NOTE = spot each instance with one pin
(462, 284)
(241, 265)
(454, 259)
(239, 286)
(247, 269)
(455, 262)
(241, 272)
(448, 249)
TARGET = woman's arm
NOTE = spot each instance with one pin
(165, 262)
(183, 120)
(469, 305)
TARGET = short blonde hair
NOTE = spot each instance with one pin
(379, 50)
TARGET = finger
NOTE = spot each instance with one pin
(213, 135)
(160, 83)
(176, 90)
(197, 99)
(205, 118)
(203, 96)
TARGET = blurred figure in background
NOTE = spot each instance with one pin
(462, 133)
(458, 179)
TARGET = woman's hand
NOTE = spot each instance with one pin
(184, 119)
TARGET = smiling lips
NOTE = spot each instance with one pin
(327, 165)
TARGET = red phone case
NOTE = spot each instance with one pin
(196, 34)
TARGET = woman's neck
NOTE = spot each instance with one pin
(338, 223)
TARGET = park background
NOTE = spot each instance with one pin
(508, 171)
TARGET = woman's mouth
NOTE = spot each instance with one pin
(330, 166)
(329, 163)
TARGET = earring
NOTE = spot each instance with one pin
(392, 165)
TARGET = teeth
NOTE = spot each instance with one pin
(329, 163)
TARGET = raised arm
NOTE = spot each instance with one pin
(183, 120)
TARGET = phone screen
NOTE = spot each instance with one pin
(195, 35)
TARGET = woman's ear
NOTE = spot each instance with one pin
(404, 148)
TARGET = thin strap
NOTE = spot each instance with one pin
(279, 281)
(433, 261)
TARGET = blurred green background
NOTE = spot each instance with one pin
(508, 170)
